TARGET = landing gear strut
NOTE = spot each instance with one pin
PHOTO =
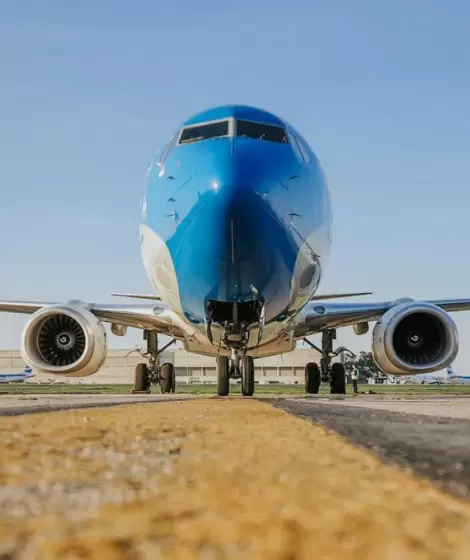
(327, 372)
(154, 373)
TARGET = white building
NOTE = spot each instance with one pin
(119, 367)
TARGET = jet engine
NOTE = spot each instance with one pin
(64, 340)
(414, 337)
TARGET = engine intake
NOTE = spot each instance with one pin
(61, 340)
(414, 337)
(64, 340)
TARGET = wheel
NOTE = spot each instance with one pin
(223, 376)
(248, 376)
(167, 378)
(141, 378)
(338, 379)
(312, 378)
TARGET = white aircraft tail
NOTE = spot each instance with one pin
(28, 372)
(450, 374)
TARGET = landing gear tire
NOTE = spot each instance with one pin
(248, 376)
(223, 376)
(338, 379)
(141, 378)
(312, 378)
(167, 378)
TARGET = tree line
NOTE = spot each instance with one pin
(366, 366)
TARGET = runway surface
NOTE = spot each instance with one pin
(432, 438)
(13, 405)
(234, 478)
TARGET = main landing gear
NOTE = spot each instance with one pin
(154, 373)
(235, 368)
(326, 372)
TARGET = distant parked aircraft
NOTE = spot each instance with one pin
(454, 378)
(449, 377)
(19, 377)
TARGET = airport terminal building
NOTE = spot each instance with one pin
(190, 368)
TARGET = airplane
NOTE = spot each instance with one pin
(449, 377)
(19, 377)
(455, 378)
(425, 379)
(235, 236)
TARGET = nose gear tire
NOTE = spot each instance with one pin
(248, 377)
(223, 376)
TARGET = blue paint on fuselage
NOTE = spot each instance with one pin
(235, 212)
(242, 112)
(27, 373)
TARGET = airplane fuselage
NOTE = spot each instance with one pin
(16, 377)
(236, 227)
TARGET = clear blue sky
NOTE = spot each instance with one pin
(89, 90)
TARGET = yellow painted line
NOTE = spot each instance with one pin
(210, 479)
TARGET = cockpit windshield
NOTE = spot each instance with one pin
(241, 128)
(261, 131)
(204, 132)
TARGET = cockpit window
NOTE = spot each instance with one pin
(261, 131)
(204, 132)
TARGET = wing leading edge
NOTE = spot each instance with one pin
(322, 297)
(317, 316)
(155, 316)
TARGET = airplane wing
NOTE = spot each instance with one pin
(156, 316)
(339, 295)
(317, 316)
(314, 317)
(137, 296)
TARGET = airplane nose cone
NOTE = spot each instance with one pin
(234, 247)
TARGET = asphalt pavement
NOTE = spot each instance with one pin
(434, 444)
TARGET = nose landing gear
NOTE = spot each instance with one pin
(334, 374)
(235, 367)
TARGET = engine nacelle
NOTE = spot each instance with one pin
(414, 337)
(64, 340)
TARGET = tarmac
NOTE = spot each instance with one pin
(153, 476)
(430, 438)
(14, 405)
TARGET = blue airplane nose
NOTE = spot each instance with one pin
(233, 247)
